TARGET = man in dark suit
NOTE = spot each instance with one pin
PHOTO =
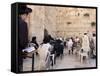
(23, 12)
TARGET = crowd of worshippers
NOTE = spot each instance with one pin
(52, 48)
(70, 44)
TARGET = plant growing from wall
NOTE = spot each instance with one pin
(93, 24)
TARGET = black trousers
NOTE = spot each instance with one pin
(20, 60)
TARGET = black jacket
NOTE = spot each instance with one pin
(22, 34)
(22, 41)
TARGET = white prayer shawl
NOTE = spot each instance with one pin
(70, 43)
(85, 43)
(43, 51)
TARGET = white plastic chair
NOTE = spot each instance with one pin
(83, 54)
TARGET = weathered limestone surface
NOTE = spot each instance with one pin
(60, 21)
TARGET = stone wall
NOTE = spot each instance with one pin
(60, 21)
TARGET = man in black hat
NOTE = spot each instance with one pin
(23, 12)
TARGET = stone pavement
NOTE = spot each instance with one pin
(68, 61)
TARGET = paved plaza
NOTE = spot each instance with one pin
(68, 61)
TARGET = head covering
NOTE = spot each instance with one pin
(23, 9)
(58, 41)
(46, 39)
(85, 33)
(34, 38)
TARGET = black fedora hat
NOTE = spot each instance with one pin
(23, 9)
